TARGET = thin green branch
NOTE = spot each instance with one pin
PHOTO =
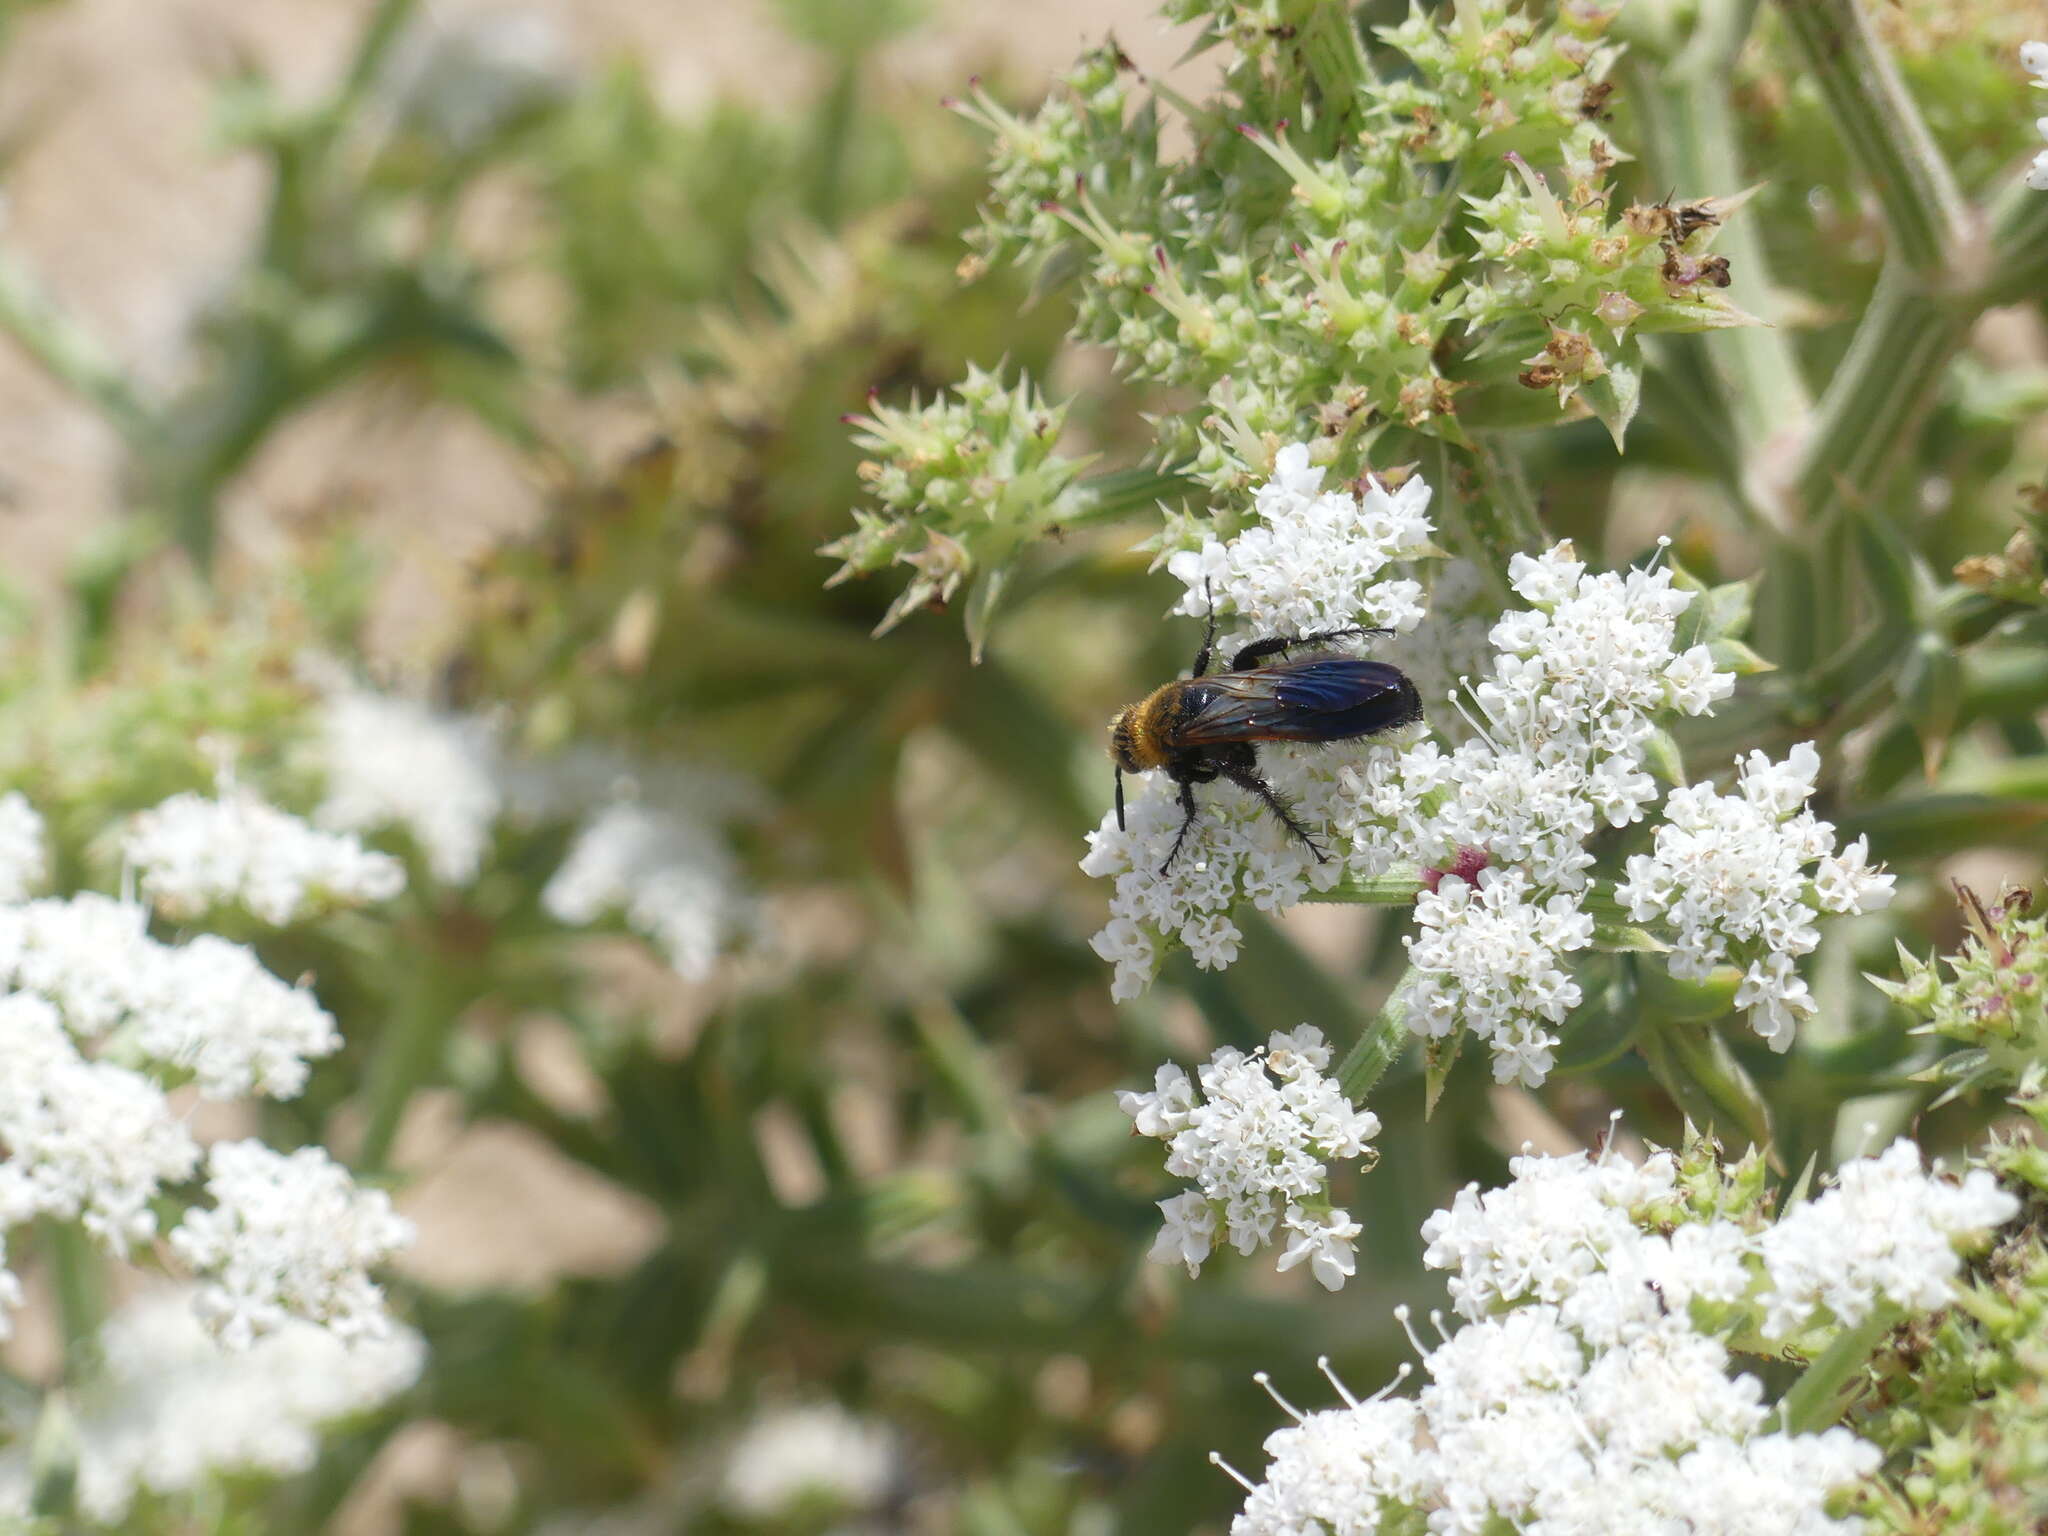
(74, 358)
(1691, 144)
(1883, 132)
(1375, 1051)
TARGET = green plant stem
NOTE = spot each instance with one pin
(1396, 888)
(2016, 266)
(1880, 393)
(78, 1276)
(409, 1054)
(66, 351)
(1691, 142)
(1375, 1050)
(1883, 132)
(1816, 1399)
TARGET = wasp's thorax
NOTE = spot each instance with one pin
(1135, 742)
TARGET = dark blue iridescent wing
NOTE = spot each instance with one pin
(1322, 698)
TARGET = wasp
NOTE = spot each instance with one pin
(1205, 727)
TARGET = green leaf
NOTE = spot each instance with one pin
(1731, 655)
(1931, 695)
(1695, 1066)
(984, 594)
(1621, 939)
(1439, 1057)
(1663, 758)
(1614, 396)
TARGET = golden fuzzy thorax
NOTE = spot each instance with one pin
(1136, 735)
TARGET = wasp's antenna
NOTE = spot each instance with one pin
(1120, 798)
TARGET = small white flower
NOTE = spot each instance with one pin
(2037, 173)
(167, 1408)
(207, 1007)
(1326, 1243)
(1256, 1143)
(2034, 60)
(289, 1235)
(1188, 1233)
(24, 857)
(790, 1456)
(1885, 1231)
(672, 878)
(192, 854)
(391, 762)
(85, 1139)
(1744, 877)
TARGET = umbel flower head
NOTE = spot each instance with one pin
(1492, 807)
(1257, 1140)
(1591, 1387)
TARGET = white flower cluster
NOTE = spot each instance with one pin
(793, 1456)
(1569, 712)
(1585, 1393)
(1563, 728)
(289, 1235)
(1317, 560)
(1566, 1233)
(1886, 1232)
(669, 875)
(86, 1140)
(1730, 878)
(1256, 1142)
(167, 1408)
(1524, 1426)
(23, 860)
(393, 762)
(649, 849)
(96, 1020)
(193, 854)
(2034, 59)
(207, 1007)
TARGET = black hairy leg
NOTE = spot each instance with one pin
(1246, 776)
(1280, 645)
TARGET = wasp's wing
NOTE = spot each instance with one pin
(1324, 698)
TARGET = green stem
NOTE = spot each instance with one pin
(65, 350)
(2016, 270)
(1881, 391)
(1375, 1051)
(1396, 888)
(1883, 132)
(1692, 1063)
(409, 1052)
(1691, 142)
(1817, 1398)
(78, 1274)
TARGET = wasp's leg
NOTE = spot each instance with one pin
(1120, 799)
(1209, 636)
(1248, 778)
(1187, 821)
(1279, 645)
